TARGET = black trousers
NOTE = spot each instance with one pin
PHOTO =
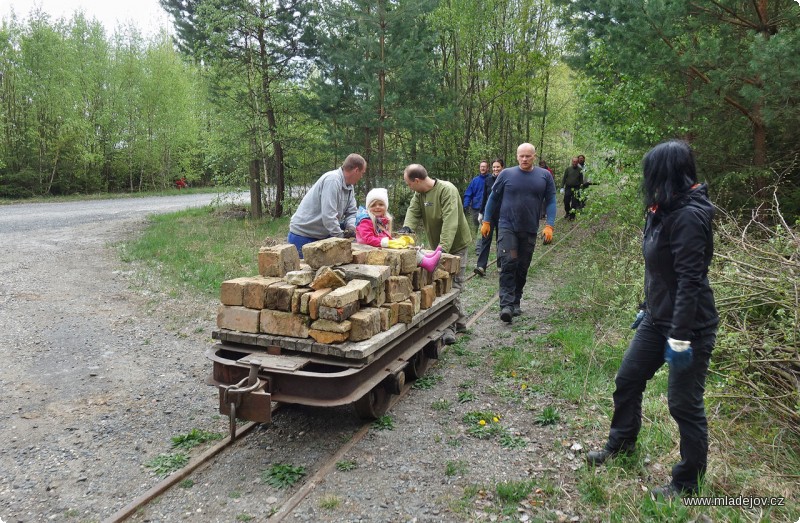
(571, 199)
(514, 253)
(486, 246)
(644, 357)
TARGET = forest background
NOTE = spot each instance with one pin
(270, 94)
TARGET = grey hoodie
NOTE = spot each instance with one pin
(327, 208)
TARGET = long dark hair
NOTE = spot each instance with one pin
(669, 173)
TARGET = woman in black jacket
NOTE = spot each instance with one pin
(680, 319)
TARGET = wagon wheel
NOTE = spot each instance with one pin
(418, 365)
(373, 404)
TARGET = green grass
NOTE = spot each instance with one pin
(456, 468)
(330, 502)
(513, 491)
(200, 248)
(442, 404)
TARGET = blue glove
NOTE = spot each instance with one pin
(638, 320)
(678, 354)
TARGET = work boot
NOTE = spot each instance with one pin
(480, 271)
(461, 327)
(598, 457)
(517, 310)
(431, 261)
(669, 492)
(507, 314)
(449, 337)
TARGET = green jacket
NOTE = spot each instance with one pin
(439, 211)
(573, 177)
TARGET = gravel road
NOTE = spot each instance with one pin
(86, 359)
(100, 369)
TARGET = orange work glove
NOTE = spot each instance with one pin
(486, 228)
(547, 234)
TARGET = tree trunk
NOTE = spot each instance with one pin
(255, 189)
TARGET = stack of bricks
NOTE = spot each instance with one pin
(343, 291)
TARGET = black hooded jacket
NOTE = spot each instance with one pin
(678, 246)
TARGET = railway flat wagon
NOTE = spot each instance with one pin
(252, 370)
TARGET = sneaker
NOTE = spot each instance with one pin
(507, 314)
(517, 310)
(669, 492)
(449, 337)
(480, 271)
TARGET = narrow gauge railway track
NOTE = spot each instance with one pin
(308, 487)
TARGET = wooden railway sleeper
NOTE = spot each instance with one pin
(248, 397)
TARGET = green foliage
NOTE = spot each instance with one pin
(456, 468)
(713, 76)
(385, 422)
(92, 114)
(548, 416)
(427, 382)
(281, 475)
(194, 438)
(165, 464)
(346, 465)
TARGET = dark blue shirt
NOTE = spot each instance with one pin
(520, 196)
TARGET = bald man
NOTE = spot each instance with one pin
(517, 197)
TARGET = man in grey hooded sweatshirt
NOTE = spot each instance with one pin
(328, 209)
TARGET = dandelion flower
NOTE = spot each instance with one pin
(495, 419)
(523, 386)
(482, 423)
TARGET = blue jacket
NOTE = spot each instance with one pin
(473, 196)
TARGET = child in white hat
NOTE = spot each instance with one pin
(374, 227)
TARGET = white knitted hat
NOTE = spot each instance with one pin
(380, 194)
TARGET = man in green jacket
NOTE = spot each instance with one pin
(436, 205)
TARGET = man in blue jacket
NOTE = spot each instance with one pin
(473, 199)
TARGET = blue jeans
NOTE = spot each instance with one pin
(298, 241)
(514, 254)
(644, 357)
